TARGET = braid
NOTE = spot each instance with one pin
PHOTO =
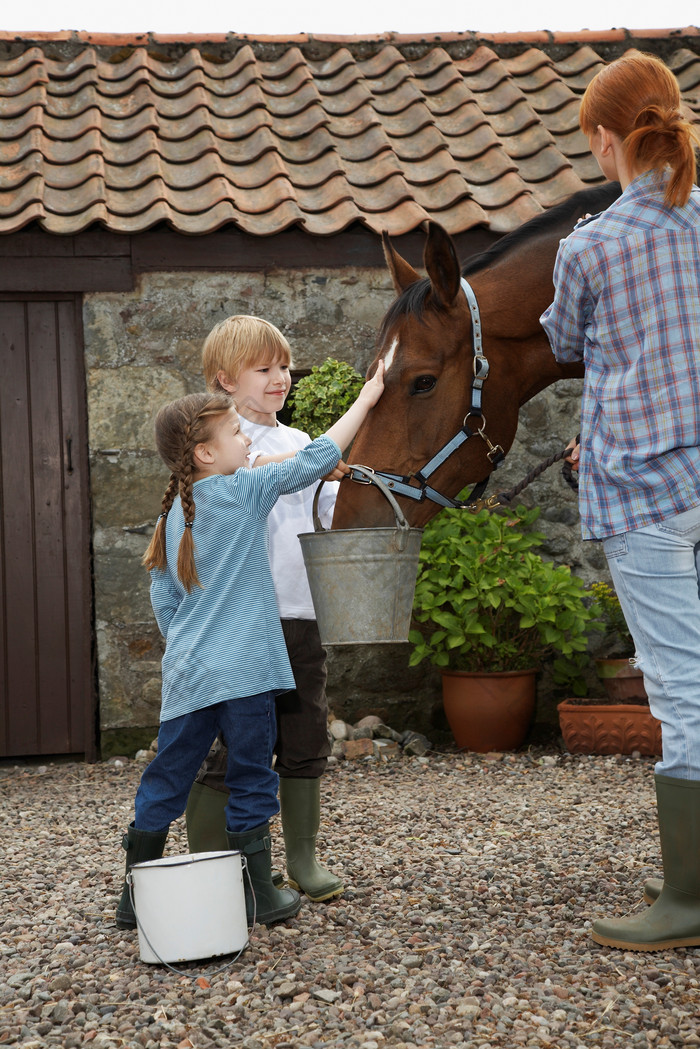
(155, 554)
(186, 567)
(180, 427)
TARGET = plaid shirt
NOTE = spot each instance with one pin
(627, 303)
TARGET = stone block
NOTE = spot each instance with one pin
(357, 748)
(338, 729)
(385, 749)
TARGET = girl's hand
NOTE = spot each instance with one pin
(339, 473)
(374, 387)
(347, 426)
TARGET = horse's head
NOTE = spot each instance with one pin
(426, 343)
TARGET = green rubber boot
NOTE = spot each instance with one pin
(300, 801)
(673, 920)
(205, 816)
(141, 846)
(652, 889)
(265, 904)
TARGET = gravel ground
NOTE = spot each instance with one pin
(471, 885)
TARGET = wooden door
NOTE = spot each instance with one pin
(46, 622)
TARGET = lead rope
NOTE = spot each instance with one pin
(505, 498)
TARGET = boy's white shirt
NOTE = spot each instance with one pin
(291, 516)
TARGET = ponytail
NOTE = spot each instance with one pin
(637, 97)
(663, 138)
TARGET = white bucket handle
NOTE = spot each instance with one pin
(180, 972)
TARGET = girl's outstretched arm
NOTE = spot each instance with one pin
(347, 426)
(343, 431)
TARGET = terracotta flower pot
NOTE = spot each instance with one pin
(609, 728)
(489, 711)
(621, 680)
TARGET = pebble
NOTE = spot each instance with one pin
(471, 884)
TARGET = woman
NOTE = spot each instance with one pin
(627, 303)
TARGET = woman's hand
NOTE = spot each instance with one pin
(574, 450)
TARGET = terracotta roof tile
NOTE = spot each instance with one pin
(319, 133)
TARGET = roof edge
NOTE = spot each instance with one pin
(72, 41)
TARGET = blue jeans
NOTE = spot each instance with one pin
(249, 728)
(656, 572)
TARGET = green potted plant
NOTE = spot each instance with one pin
(622, 680)
(620, 722)
(491, 610)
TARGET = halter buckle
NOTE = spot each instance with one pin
(480, 367)
(362, 479)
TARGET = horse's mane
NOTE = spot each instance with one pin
(586, 201)
(564, 214)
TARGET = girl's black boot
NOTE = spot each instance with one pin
(141, 846)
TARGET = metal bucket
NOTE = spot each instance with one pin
(189, 907)
(362, 580)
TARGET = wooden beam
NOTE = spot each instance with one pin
(21, 274)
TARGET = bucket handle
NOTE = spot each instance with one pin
(402, 524)
(180, 972)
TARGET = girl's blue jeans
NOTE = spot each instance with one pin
(656, 572)
(249, 728)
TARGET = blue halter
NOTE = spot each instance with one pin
(401, 484)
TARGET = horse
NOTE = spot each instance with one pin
(447, 402)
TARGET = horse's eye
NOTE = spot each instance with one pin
(423, 384)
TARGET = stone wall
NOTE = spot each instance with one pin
(143, 349)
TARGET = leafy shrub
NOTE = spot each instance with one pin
(319, 399)
(607, 607)
(490, 603)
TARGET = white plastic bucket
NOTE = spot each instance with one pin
(190, 907)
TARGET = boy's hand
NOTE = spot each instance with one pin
(374, 387)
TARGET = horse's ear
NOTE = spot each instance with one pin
(442, 265)
(402, 273)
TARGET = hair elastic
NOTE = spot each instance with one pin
(188, 524)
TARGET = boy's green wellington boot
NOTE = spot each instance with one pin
(673, 920)
(141, 846)
(269, 903)
(300, 801)
(652, 889)
(205, 816)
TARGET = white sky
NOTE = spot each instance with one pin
(353, 17)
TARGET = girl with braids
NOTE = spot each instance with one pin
(249, 358)
(214, 601)
(627, 303)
